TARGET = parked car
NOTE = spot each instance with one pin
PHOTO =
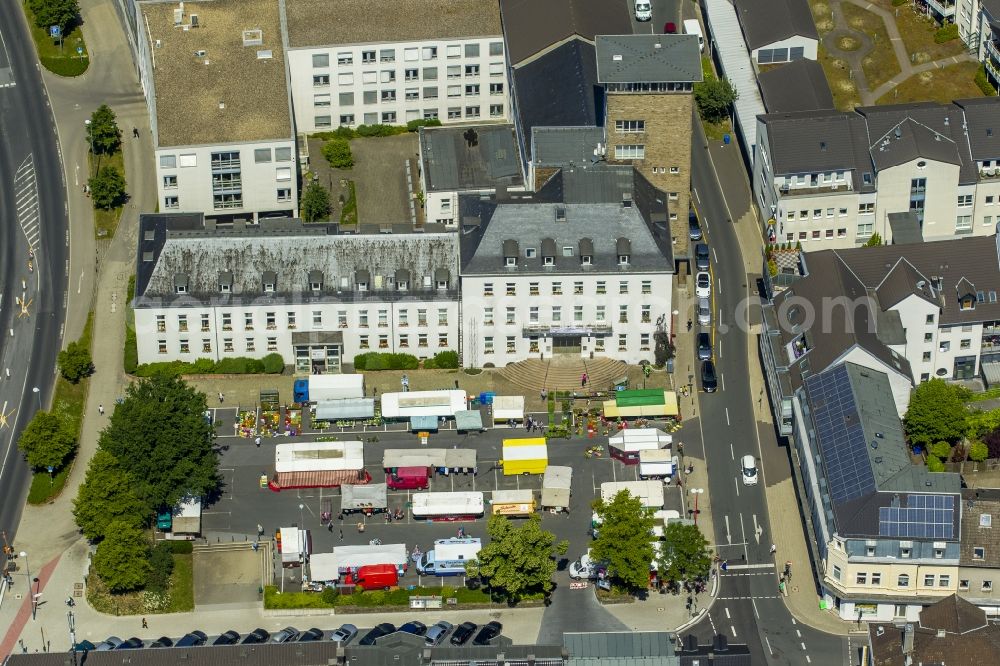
(669, 28)
(414, 627)
(256, 637)
(489, 631)
(463, 633)
(704, 310)
(694, 231)
(436, 634)
(709, 382)
(162, 641)
(110, 643)
(131, 644)
(701, 257)
(313, 634)
(749, 466)
(286, 635)
(345, 634)
(704, 347)
(87, 646)
(376, 633)
(193, 639)
(703, 284)
(227, 638)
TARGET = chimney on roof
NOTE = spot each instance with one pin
(908, 638)
(626, 199)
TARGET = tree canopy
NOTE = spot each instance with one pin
(874, 241)
(107, 188)
(714, 97)
(160, 436)
(337, 152)
(315, 203)
(75, 362)
(54, 12)
(684, 555)
(518, 560)
(122, 559)
(106, 496)
(103, 133)
(624, 540)
(936, 413)
(46, 441)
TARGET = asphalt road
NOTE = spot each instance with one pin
(663, 11)
(749, 608)
(32, 214)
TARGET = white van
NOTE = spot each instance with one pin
(643, 10)
(691, 27)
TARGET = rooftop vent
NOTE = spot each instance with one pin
(822, 145)
(264, 54)
(222, 105)
(200, 53)
(616, 57)
(947, 121)
(253, 37)
(657, 45)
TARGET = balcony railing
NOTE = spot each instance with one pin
(812, 190)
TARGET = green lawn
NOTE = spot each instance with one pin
(69, 401)
(349, 214)
(63, 60)
(917, 32)
(880, 63)
(937, 85)
(182, 585)
(106, 221)
(845, 93)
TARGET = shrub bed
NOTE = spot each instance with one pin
(376, 130)
(271, 364)
(380, 361)
(446, 360)
(329, 598)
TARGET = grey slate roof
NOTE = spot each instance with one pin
(562, 146)
(531, 26)
(813, 141)
(651, 58)
(452, 163)
(796, 86)
(767, 21)
(981, 117)
(901, 282)
(180, 246)
(905, 227)
(619, 645)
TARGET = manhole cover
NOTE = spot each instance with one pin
(659, 610)
(795, 588)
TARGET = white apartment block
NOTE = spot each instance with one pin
(979, 27)
(215, 83)
(912, 172)
(351, 63)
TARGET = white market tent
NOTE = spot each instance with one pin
(336, 387)
(422, 403)
(318, 456)
(658, 462)
(650, 492)
(506, 407)
(556, 485)
(633, 440)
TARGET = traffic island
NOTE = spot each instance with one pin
(61, 51)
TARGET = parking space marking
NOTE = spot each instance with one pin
(737, 480)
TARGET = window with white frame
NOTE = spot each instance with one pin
(630, 126)
(630, 152)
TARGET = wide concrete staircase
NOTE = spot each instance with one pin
(562, 373)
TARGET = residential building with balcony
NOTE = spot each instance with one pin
(315, 296)
(922, 171)
(777, 31)
(214, 78)
(576, 268)
(979, 563)
(979, 27)
(474, 159)
(351, 63)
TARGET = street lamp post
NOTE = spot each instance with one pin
(696, 492)
(301, 523)
(90, 139)
(38, 394)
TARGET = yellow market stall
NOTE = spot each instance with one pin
(647, 403)
(528, 455)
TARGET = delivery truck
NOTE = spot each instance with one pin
(657, 464)
(556, 487)
(371, 577)
(318, 465)
(513, 503)
(449, 556)
(448, 506)
(294, 545)
(528, 455)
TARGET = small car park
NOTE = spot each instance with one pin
(463, 633)
(414, 627)
(749, 468)
(701, 257)
(256, 637)
(286, 635)
(703, 285)
(376, 633)
(704, 347)
(436, 634)
(308, 635)
(704, 310)
(344, 634)
(489, 631)
(227, 638)
(193, 639)
(709, 380)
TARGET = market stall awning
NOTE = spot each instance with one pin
(506, 407)
(418, 423)
(348, 408)
(323, 567)
(648, 402)
(469, 419)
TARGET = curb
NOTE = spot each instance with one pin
(693, 621)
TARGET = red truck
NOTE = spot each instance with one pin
(408, 478)
(372, 577)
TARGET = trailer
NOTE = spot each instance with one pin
(423, 403)
(513, 503)
(649, 492)
(318, 465)
(556, 487)
(294, 545)
(448, 506)
(528, 455)
(628, 444)
(366, 499)
(344, 409)
(657, 464)
(187, 518)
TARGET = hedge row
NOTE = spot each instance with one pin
(272, 364)
(329, 598)
(343, 132)
(378, 361)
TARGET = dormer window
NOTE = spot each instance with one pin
(402, 279)
(441, 278)
(548, 252)
(967, 303)
(622, 259)
(550, 261)
(510, 253)
(225, 288)
(586, 260)
(181, 283)
(315, 281)
(270, 281)
(225, 282)
(362, 279)
(586, 252)
(623, 248)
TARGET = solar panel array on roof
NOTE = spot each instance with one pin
(841, 437)
(924, 516)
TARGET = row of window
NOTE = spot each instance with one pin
(229, 159)
(963, 225)
(344, 99)
(556, 288)
(902, 580)
(600, 314)
(373, 77)
(222, 200)
(271, 343)
(390, 117)
(489, 345)
(401, 319)
(410, 54)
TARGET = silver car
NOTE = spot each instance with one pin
(345, 634)
(436, 634)
(704, 310)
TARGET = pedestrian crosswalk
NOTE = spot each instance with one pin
(26, 199)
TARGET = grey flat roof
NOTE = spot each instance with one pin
(796, 86)
(615, 645)
(561, 146)
(648, 59)
(232, 93)
(328, 23)
(470, 158)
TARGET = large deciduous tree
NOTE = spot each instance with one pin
(122, 559)
(684, 555)
(103, 132)
(159, 434)
(106, 496)
(315, 203)
(714, 97)
(54, 12)
(624, 540)
(518, 560)
(47, 441)
(936, 413)
(107, 188)
(75, 362)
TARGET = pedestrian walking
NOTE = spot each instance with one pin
(135, 132)
(774, 549)
(257, 441)
(222, 398)
(545, 394)
(405, 381)
(329, 527)
(583, 380)
(341, 533)
(689, 324)
(145, 625)
(100, 409)
(361, 527)
(260, 530)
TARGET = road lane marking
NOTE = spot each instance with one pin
(732, 629)
(803, 646)
(737, 480)
(722, 380)
(727, 416)
(798, 633)
(732, 451)
(695, 192)
(729, 537)
(728, 616)
(715, 256)
(768, 641)
(754, 604)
